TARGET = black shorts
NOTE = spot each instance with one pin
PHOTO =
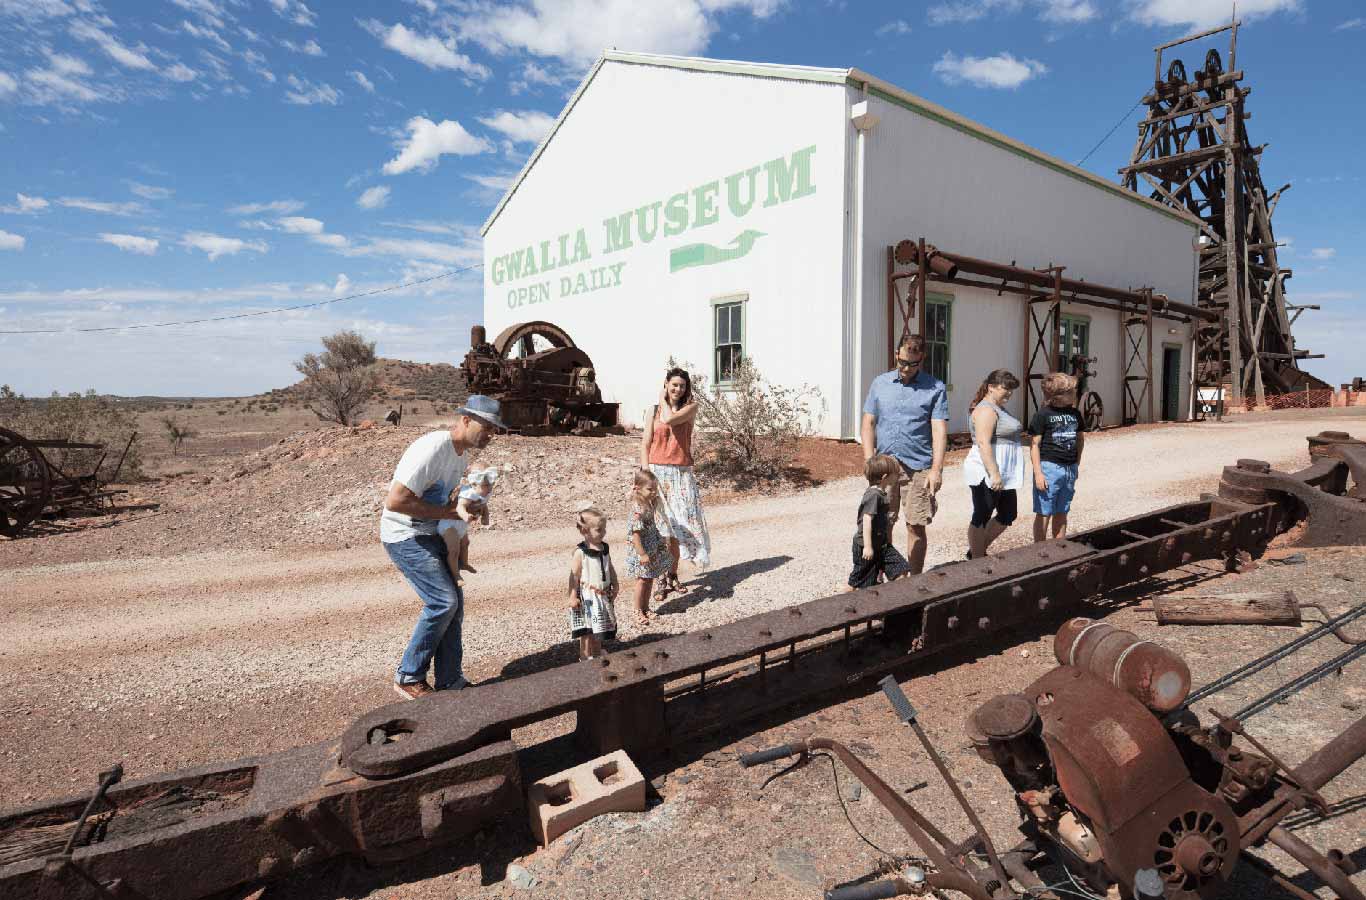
(985, 501)
(887, 561)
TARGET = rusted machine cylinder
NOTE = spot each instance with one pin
(1156, 676)
(1333, 758)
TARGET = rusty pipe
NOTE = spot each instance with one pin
(1333, 758)
(1044, 281)
(1315, 862)
(911, 821)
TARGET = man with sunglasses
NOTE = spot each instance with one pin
(906, 416)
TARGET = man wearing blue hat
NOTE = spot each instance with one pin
(419, 496)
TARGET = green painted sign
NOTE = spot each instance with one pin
(690, 255)
(766, 185)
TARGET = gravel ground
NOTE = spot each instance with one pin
(172, 661)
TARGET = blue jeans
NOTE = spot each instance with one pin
(1062, 484)
(422, 560)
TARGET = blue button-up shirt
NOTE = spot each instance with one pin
(903, 414)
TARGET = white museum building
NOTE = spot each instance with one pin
(703, 209)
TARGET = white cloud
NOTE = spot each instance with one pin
(207, 10)
(150, 192)
(257, 63)
(131, 243)
(215, 245)
(1000, 71)
(373, 198)
(494, 182)
(1350, 24)
(427, 142)
(35, 10)
(430, 51)
(301, 225)
(61, 81)
(306, 93)
(343, 285)
(335, 241)
(526, 127)
(360, 79)
(309, 47)
(282, 207)
(1206, 13)
(24, 204)
(206, 34)
(897, 27)
(124, 56)
(578, 32)
(295, 11)
(432, 251)
(101, 206)
(11, 241)
(1323, 252)
(7, 84)
(1057, 11)
(531, 75)
(180, 72)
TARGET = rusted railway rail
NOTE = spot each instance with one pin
(406, 776)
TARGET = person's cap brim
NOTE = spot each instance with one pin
(492, 423)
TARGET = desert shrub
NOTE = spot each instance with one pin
(748, 430)
(83, 418)
(176, 433)
(338, 381)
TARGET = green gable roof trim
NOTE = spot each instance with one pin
(883, 90)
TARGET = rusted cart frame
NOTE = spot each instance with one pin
(31, 484)
(408, 775)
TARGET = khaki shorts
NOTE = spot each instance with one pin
(918, 505)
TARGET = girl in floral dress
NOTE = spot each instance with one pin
(648, 555)
(592, 586)
(666, 450)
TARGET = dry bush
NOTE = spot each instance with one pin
(83, 418)
(748, 430)
(339, 381)
(176, 434)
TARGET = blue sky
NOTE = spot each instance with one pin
(172, 159)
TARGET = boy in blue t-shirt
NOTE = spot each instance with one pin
(1055, 451)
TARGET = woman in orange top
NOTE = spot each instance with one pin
(666, 450)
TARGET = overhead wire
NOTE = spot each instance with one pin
(251, 314)
(1100, 142)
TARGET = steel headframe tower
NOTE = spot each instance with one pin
(1193, 154)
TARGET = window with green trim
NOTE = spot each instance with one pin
(728, 331)
(1076, 337)
(938, 327)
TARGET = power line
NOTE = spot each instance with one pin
(1083, 160)
(249, 315)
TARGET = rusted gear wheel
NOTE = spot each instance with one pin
(530, 337)
(1193, 852)
(25, 483)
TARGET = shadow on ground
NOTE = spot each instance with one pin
(719, 584)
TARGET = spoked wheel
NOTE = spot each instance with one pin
(1092, 412)
(25, 483)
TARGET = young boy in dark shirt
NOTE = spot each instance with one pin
(1056, 448)
(874, 554)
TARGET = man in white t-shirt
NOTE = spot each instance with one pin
(419, 496)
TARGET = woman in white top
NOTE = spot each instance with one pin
(995, 466)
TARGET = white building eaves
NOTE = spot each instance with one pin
(884, 90)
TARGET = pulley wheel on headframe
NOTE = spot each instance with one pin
(25, 483)
(521, 341)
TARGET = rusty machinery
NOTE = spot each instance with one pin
(544, 382)
(32, 484)
(1116, 780)
(410, 775)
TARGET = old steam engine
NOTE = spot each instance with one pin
(544, 382)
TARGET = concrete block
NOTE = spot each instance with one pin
(610, 783)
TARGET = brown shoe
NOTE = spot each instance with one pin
(414, 690)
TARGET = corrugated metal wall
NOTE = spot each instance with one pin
(966, 195)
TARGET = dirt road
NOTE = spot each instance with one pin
(171, 662)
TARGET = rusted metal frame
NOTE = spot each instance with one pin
(1195, 86)
(892, 303)
(1148, 363)
(1176, 202)
(274, 814)
(1316, 863)
(1025, 291)
(922, 268)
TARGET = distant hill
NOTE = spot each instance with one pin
(400, 381)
